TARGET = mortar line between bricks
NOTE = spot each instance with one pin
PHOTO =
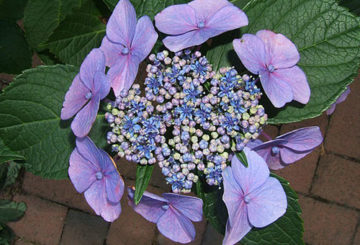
(63, 227)
(320, 199)
(320, 155)
(107, 233)
(354, 235)
(344, 157)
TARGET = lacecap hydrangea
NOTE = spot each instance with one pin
(190, 120)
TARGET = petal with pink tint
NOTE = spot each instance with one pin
(251, 177)
(278, 91)
(176, 227)
(75, 98)
(296, 79)
(89, 151)
(267, 203)
(282, 53)
(102, 84)
(81, 172)
(122, 23)
(176, 19)
(111, 50)
(93, 62)
(150, 206)
(189, 206)
(220, 20)
(289, 156)
(303, 139)
(205, 9)
(144, 39)
(189, 39)
(83, 121)
(123, 74)
(251, 51)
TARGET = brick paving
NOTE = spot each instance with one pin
(327, 181)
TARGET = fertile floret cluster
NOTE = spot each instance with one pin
(191, 120)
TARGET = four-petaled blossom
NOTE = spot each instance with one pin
(252, 198)
(89, 86)
(289, 147)
(94, 172)
(126, 44)
(274, 57)
(172, 213)
(194, 23)
(342, 98)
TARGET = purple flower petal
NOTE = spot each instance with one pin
(251, 177)
(205, 9)
(189, 39)
(240, 226)
(93, 62)
(189, 206)
(296, 79)
(303, 139)
(123, 74)
(144, 39)
(81, 171)
(114, 184)
(251, 51)
(282, 53)
(150, 206)
(176, 227)
(102, 85)
(97, 199)
(112, 51)
(122, 23)
(89, 151)
(75, 98)
(83, 121)
(278, 91)
(267, 203)
(342, 98)
(176, 19)
(220, 20)
(289, 156)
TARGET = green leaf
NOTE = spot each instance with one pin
(41, 17)
(6, 235)
(15, 54)
(77, 35)
(288, 229)
(7, 155)
(352, 5)
(30, 120)
(242, 157)
(11, 211)
(143, 176)
(12, 9)
(13, 170)
(328, 39)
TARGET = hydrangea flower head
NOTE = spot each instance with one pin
(126, 44)
(194, 23)
(83, 98)
(342, 98)
(274, 57)
(93, 172)
(172, 213)
(289, 147)
(252, 198)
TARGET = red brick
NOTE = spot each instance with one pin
(84, 229)
(271, 131)
(21, 241)
(43, 220)
(126, 168)
(357, 237)
(321, 121)
(336, 180)
(326, 224)
(343, 136)
(61, 191)
(211, 236)
(131, 228)
(158, 179)
(200, 230)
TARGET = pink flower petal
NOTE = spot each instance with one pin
(112, 51)
(75, 98)
(93, 62)
(83, 121)
(278, 91)
(282, 53)
(81, 172)
(144, 39)
(176, 19)
(267, 203)
(189, 206)
(176, 227)
(251, 51)
(296, 79)
(122, 23)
